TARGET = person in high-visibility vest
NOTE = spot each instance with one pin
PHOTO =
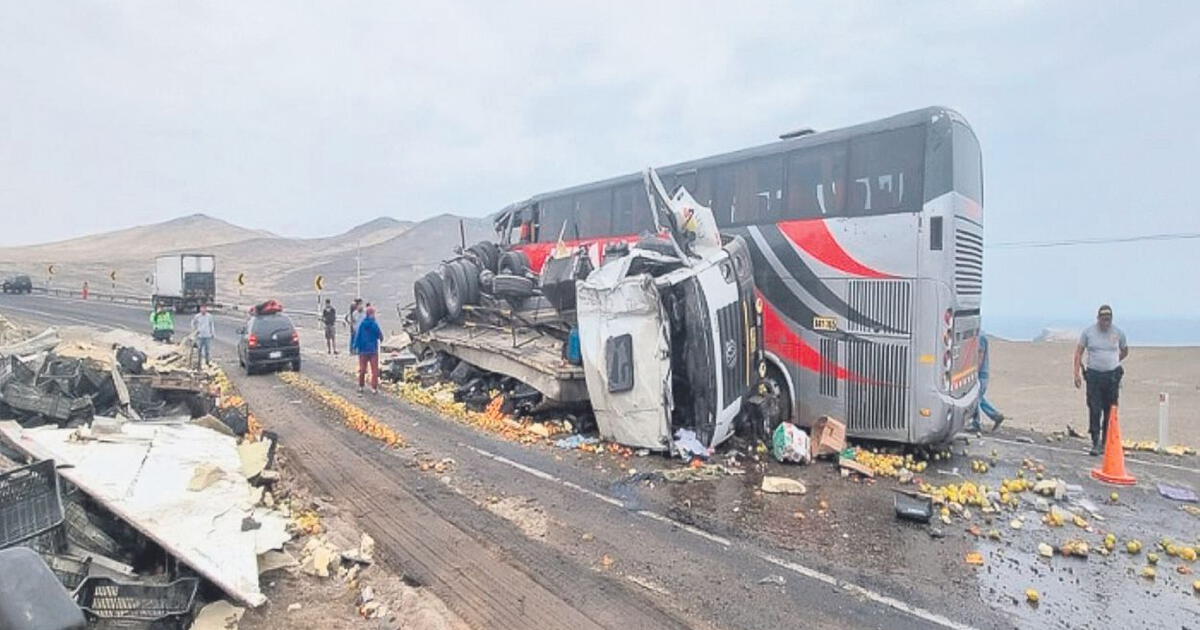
(163, 321)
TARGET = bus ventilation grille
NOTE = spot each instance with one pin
(968, 262)
(733, 351)
(877, 390)
(885, 303)
(829, 363)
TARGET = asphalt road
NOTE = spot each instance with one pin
(719, 554)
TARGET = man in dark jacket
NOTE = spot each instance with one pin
(366, 344)
(329, 319)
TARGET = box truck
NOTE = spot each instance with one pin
(185, 281)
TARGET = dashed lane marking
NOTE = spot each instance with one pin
(792, 566)
(1059, 449)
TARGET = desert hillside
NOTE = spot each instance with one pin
(392, 252)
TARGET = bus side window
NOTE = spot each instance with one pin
(816, 182)
(556, 214)
(885, 171)
(593, 213)
(631, 211)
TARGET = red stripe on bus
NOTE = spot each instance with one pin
(783, 341)
(813, 236)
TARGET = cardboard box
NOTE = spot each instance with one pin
(828, 437)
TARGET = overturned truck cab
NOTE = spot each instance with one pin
(668, 346)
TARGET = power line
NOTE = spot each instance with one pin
(1170, 236)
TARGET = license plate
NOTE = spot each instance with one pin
(276, 354)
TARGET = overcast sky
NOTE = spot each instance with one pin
(308, 118)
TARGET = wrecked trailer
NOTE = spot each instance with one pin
(668, 329)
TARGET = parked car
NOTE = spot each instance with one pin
(18, 284)
(268, 340)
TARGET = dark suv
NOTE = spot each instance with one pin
(268, 341)
(18, 284)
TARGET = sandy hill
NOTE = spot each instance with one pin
(191, 232)
(393, 253)
(389, 267)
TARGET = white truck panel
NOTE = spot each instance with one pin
(168, 276)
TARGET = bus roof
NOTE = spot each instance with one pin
(906, 119)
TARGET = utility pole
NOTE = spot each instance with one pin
(358, 270)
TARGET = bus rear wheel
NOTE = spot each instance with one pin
(779, 407)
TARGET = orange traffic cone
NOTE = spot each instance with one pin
(1113, 470)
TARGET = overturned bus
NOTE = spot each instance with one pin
(669, 329)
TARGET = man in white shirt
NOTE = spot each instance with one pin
(1106, 348)
(205, 329)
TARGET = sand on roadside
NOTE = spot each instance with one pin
(1032, 384)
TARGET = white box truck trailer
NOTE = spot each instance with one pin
(185, 281)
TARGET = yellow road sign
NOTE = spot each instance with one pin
(319, 283)
(241, 279)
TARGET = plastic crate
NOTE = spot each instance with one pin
(111, 604)
(30, 503)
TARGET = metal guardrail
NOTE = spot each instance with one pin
(119, 298)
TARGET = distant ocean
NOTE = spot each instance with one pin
(1139, 331)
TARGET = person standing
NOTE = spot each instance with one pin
(205, 329)
(163, 321)
(329, 319)
(366, 344)
(985, 406)
(1106, 348)
(353, 317)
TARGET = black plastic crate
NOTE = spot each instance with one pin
(112, 604)
(30, 502)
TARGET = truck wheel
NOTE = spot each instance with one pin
(431, 306)
(488, 254)
(471, 273)
(513, 263)
(454, 282)
(508, 286)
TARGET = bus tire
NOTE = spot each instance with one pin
(454, 283)
(510, 286)
(513, 263)
(471, 277)
(431, 305)
(776, 388)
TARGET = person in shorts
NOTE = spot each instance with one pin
(329, 319)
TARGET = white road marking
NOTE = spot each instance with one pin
(53, 316)
(794, 567)
(1080, 452)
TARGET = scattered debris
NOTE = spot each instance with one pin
(218, 615)
(137, 479)
(974, 558)
(854, 466)
(913, 506)
(696, 473)
(1178, 493)
(687, 446)
(1045, 550)
(353, 415)
(782, 485)
(776, 580)
(790, 444)
(1032, 596)
(828, 436)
